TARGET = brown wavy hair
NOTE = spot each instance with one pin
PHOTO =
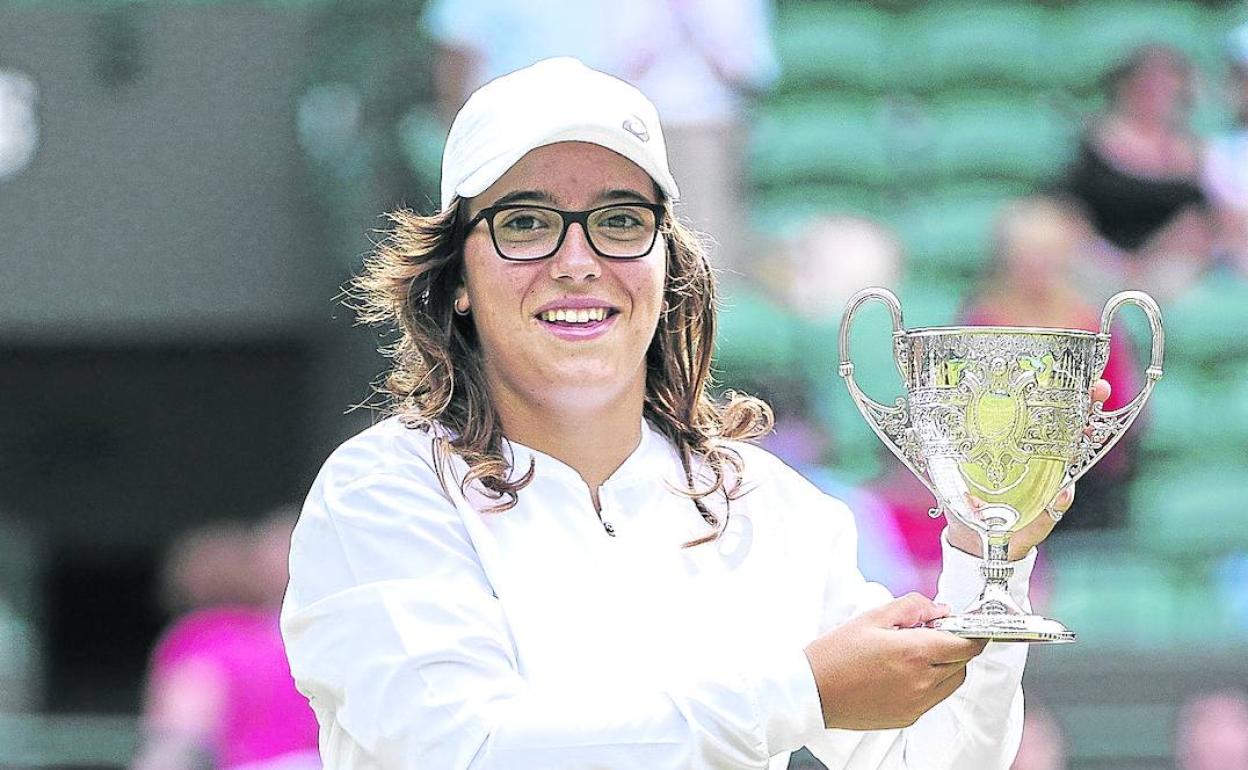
(437, 378)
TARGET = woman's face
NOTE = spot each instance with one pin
(1159, 88)
(554, 365)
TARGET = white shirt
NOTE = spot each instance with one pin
(429, 634)
(690, 57)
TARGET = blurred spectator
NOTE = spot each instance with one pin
(908, 502)
(1137, 173)
(1225, 174)
(829, 258)
(220, 693)
(814, 272)
(1212, 732)
(1035, 242)
(699, 61)
(1044, 744)
(206, 568)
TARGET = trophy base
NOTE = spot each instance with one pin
(1032, 629)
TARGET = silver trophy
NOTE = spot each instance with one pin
(993, 423)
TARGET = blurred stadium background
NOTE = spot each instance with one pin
(207, 174)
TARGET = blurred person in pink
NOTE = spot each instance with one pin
(220, 694)
(1137, 173)
(1212, 732)
(1036, 243)
(1225, 173)
(204, 568)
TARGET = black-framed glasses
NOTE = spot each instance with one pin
(523, 232)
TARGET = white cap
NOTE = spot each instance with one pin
(554, 100)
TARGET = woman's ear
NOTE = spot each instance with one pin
(461, 301)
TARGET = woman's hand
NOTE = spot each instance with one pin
(966, 539)
(883, 670)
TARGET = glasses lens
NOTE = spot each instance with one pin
(622, 231)
(526, 233)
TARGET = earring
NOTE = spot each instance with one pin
(461, 308)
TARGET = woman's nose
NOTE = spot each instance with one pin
(575, 258)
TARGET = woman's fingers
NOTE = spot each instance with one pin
(1064, 499)
(1101, 391)
(874, 672)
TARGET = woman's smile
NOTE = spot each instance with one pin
(573, 323)
(577, 318)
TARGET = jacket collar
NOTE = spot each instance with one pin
(653, 461)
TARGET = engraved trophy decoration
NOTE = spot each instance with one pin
(993, 423)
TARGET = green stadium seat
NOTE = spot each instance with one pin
(1206, 325)
(1090, 38)
(1169, 423)
(1191, 508)
(759, 340)
(925, 302)
(1193, 415)
(1114, 596)
(947, 233)
(755, 335)
(782, 209)
(832, 45)
(995, 135)
(823, 139)
(977, 44)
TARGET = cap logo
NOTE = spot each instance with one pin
(635, 127)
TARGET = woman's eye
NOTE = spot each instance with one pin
(620, 220)
(524, 221)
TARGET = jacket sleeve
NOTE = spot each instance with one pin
(399, 641)
(979, 726)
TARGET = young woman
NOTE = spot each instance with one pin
(1137, 175)
(559, 553)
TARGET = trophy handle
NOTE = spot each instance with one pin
(891, 423)
(1109, 427)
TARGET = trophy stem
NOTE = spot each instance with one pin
(997, 571)
(995, 615)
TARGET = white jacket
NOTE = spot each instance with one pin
(429, 634)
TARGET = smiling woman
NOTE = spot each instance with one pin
(560, 552)
(549, 321)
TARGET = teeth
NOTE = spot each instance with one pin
(581, 316)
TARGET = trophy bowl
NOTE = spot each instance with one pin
(996, 421)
